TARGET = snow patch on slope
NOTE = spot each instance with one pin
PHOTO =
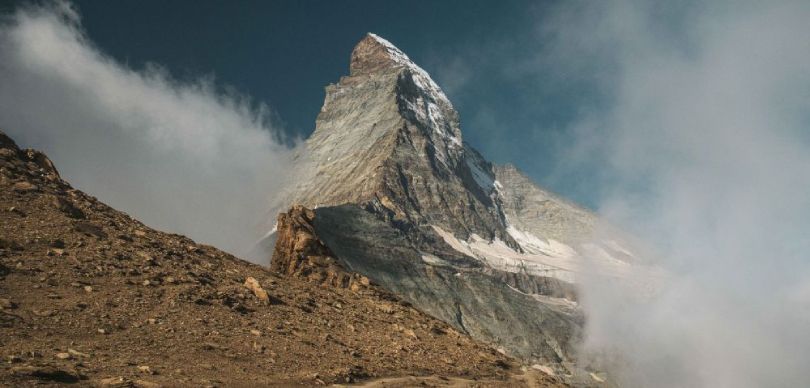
(500, 256)
(533, 244)
(548, 258)
(484, 180)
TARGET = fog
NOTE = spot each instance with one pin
(703, 147)
(185, 157)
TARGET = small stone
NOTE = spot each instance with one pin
(255, 332)
(544, 368)
(139, 233)
(64, 356)
(114, 382)
(146, 282)
(66, 206)
(57, 244)
(146, 369)
(56, 252)
(259, 348)
(151, 321)
(597, 377)
(410, 333)
(146, 384)
(102, 331)
(90, 229)
(253, 285)
(7, 304)
(78, 353)
(24, 187)
(147, 258)
(88, 289)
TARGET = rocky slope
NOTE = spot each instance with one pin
(400, 198)
(89, 295)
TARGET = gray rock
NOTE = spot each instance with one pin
(386, 165)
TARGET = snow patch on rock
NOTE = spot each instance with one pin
(548, 258)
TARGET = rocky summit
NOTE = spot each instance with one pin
(397, 196)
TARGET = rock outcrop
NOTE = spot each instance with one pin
(299, 253)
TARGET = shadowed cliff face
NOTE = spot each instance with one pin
(465, 294)
(299, 253)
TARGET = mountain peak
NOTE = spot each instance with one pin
(374, 53)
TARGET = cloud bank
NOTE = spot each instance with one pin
(182, 157)
(703, 150)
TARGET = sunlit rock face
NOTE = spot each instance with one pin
(400, 198)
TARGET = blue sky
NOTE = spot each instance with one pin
(483, 53)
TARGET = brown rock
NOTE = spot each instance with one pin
(66, 206)
(41, 161)
(253, 285)
(299, 253)
(78, 353)
(90, 229)
(115, 382)
(46, 373)
(7, 304)
(24, 187)
(146, 384)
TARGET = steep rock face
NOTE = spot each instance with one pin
(401, 199)
(545, 224)
(530, 208)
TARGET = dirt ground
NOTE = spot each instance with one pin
(90, 296)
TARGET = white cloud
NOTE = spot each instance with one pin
(183, 157)
(705, 148)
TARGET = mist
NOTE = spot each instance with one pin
(702, 150)
(194, 158)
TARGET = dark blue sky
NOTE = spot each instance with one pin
(487, 55)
